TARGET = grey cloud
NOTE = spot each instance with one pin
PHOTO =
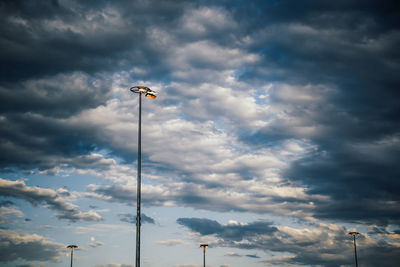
(278, 42)
(56, 57)
(95, 244)
(253, 256)
(130, 218)
(51, 38)
(203, 226)
(33, 130)
(6, 203)
(355, 127)
(200, 197)
(57, 96)
(234, 232)
(46, 197)
(31, 247)
(31, 136)
(351, 180)
(7, 214)
(325, 245)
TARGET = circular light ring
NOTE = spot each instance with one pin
(141, 89)
(354, 233)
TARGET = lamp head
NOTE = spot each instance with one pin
(144, 90)
(204, 247)
(354, 233)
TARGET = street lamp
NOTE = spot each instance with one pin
(72, 247)
(204, 253)
(354, 234)
(150, 94)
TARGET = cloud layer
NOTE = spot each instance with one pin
(319, 244)
(266, 107)
(48, 198)
(17, 245)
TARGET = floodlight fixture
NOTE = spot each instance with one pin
(354, 233)
(144, 90)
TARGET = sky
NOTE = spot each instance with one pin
(275, 132)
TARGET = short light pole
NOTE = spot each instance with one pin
(72, 247)
(354, 234)
(204, 253)
(151, 94)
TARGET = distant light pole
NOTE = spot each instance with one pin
(204, 253)
(151, 94)
(354, 234)
(72, 247)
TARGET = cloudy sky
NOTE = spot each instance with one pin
(275, 132)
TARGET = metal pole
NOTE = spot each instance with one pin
(72, 255)
(204, 253)
(204, 256)
(139, 169)
(355, 250)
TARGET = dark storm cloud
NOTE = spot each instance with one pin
(58, 96)
(6, 203)
(350, 47)
(48, 198)
(51, 37)
(234, 232)
(130, 218)
(31, 247)
(55, 57)
(325, 245)
(31, 140)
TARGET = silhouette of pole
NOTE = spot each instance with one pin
(204, 253)
(72, 247)
(354, 234)
(151, 94)
(139, 184)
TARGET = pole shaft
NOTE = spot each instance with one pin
(355, 250)
(72, 255)
(204, 257)
(138, 193)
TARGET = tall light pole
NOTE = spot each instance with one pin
(151, 94)
(204, 253)
(72, 247)
(354, 234)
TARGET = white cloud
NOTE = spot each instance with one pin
(48, 198)
(206, 20)
(7, 213)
